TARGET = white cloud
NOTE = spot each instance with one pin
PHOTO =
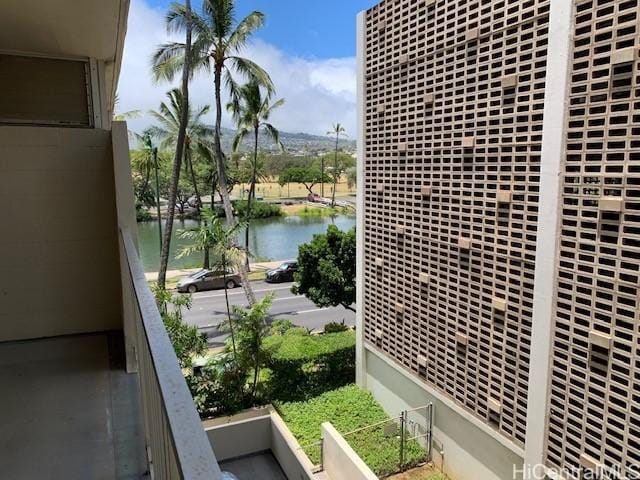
(317, 92)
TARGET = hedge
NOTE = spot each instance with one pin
(303, 366)
(258, 209)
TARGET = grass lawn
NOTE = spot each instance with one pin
(350, 408)
(273, 190)
(307, 211)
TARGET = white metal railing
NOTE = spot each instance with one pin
(177, 445)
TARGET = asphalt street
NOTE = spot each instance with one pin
(209, 309)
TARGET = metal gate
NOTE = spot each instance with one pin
(416, 425)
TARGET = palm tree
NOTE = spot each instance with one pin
(213, 236)
(253, 327)
(251, 110)
(147, 160)
(197, 133)
(339, 131)
(201, 238)
(216, 48)
(185, 23)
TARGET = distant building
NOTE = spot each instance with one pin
(499, 229)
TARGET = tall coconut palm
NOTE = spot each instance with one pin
(197, 133)
(339, 131)
(251, 110)
(219, 40)
(184, 13)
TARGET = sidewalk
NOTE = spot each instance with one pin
(171, 274)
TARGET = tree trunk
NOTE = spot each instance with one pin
(146, 181)
(335, 174)
(309, 188)
(155, 165)
(256, 372)
(207, 262)
(349, 307)
(175, 174)
(252, 192)
(226, 298)
(222, 180)
(193, 179)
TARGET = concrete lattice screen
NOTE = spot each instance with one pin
(594, 379)
(453, 134)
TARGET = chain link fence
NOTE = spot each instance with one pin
(397, 444)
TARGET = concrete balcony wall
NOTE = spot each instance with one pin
(254, 432)
(59, 245)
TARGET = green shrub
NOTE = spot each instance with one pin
(350, 408)
(258, 210)
(218, 388)
(313, 212)
(302, 365)
(142, 215)
(186, 339)
(335, 327)
(281, 326)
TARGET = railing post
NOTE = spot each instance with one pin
(403, 420)
(430, 431)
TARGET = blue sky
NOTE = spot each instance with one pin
(307, 46)
(305, 28)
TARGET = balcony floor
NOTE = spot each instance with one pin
(69, 411)
(260, 465)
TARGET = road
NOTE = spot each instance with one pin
(209, 309)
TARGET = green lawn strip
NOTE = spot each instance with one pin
(349, 408)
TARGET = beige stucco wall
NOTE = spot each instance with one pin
(244, 434)
(59, 269)
(294, 462)
(469, 453)
(255, 431)
(339, 460)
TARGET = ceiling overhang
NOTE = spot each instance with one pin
(67, 28)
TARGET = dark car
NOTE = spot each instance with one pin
(284, 273)
(208, 280)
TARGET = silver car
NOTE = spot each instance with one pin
(208, 280)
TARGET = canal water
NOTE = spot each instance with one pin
(271, 239)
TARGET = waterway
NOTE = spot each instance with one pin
(275, 238)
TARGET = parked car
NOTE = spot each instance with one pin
(208, 280)
(284, 273)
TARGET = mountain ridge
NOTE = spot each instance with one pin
(293, 142)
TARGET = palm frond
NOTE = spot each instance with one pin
(219, 15)
(240, 136)
(268, 109)
(231, 86)
(252, 71)
(274, 134)
(167, 61)
(247, 27)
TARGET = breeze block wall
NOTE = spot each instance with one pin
(594, 414)
(454, 100)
